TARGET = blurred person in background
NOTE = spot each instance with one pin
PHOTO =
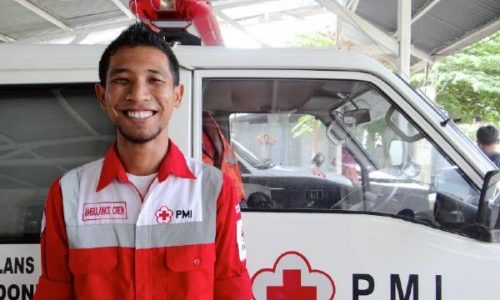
(487, 140)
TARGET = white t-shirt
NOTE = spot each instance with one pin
(142, 183)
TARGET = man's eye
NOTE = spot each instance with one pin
(155, 80)
(120, 80)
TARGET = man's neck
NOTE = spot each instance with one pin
(142, 159)
(489, 148)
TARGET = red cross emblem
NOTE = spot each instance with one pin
(292, 288)
(285, 280)
(164, 215)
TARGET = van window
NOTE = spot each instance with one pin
(332, 145)
(44, 131)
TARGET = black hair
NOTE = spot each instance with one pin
(138, 34)
(487, 135)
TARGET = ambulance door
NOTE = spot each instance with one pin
(45, 130)
(350, 192)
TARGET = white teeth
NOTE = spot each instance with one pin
(139, 114)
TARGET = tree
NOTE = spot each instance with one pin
(317, 39)
(468, 82)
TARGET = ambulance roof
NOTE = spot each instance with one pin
(71, 60)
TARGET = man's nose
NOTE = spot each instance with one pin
(138, 91)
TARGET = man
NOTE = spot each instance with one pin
(144, 222)
(487, 140)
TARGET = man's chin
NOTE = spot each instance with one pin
(137, 138)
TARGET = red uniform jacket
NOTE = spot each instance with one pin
(184, 240)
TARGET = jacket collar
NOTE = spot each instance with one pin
(174, 163)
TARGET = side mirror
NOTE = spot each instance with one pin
(488, 217)
(351, 118)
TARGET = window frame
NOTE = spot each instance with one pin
(394, 97)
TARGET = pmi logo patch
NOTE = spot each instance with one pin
(164, 215)
(104, 210)
(292, 277)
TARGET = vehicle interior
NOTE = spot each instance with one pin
(375, 159)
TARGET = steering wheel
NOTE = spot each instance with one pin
(260, 200)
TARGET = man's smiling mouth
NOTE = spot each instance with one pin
(139, 114)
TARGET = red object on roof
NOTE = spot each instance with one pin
(198, 12)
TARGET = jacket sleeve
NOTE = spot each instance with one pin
(231, 275)
(55, 283)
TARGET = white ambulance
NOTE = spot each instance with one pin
(357, 186)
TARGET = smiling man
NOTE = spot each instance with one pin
(145, 222)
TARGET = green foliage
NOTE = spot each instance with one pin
(318, 39)
(468, 82)
(305, 124)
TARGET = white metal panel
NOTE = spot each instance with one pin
(342, 245)
(36, 64)
(17, 281)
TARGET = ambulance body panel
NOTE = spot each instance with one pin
(389, 208)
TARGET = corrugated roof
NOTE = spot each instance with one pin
(447, 21)
(78, 13)
(451, 20)
(385, 19)
(19, 23)
(445, 27)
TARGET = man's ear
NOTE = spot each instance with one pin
(178, 92)
(100, 92)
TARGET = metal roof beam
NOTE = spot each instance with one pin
(470, 38)
(289, 12)
(123, 8)
(404, 36)
(382, 39)
(6, 38)
(79, 37)
(352, 5)
(418, 66)
(238, 26)
(423, 11)
(42, 13)
(232, 4)
(76, 32)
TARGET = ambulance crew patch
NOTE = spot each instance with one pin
(105, 210)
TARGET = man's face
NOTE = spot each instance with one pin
(140, 94)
